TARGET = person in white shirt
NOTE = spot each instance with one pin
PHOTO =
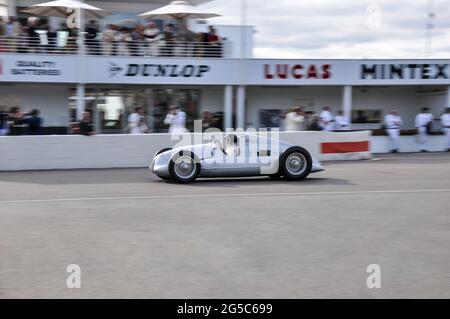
(109, 35)
(177, 120)
(326, 119)
(445, 121)
(422, 123)
(152, 36)
(136, 122)
(341, 123)
(393, 123)
(295, 120)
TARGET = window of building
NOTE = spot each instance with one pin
(366, 116)
(110, 108)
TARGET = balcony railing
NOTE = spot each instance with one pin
(70, 45)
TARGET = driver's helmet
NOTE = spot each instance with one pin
(231, 140)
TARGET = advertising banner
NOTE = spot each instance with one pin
(201, 71)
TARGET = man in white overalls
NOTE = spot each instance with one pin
(422, 123)
(445, 121)
(393, 123)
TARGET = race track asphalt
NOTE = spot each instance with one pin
(135, 236)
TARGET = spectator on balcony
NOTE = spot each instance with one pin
(169, 39)
(3, 43)
(128, 41)
(52, 37)
(187, 39)
(108, 40)
(214, 43)
(22, 41)
(2, 27)
(64, 35)
(91, 40)
(152, 36)
(136, 37)
(33, 36)
(121, 42)
(201, 44)
(12, 33)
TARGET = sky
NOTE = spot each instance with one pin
(341, 28)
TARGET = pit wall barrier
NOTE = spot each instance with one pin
(127, 151)
(408, 144)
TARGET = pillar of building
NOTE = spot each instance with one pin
(80, 100)
(228, 107)
(240, 109)
(347, 94)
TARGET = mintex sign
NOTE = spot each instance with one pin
(407, 71)
(201, 71)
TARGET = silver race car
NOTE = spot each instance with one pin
(235, 155)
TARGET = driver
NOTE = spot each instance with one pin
(232, 145)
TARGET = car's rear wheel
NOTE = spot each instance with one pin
(296, 163)
(184, 167)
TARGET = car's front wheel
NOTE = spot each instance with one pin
(184, 167)
(296, 163)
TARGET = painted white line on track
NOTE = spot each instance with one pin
(82, 199)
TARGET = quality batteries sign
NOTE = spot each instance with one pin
(37, 68)
(16, 68)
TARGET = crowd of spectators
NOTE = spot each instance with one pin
(16, 122)
(299, 120)
(136, 40)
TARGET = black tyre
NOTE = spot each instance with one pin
(184, 167)
(296, 163)
(165, 178)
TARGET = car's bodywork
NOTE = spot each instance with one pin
(240, 155)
